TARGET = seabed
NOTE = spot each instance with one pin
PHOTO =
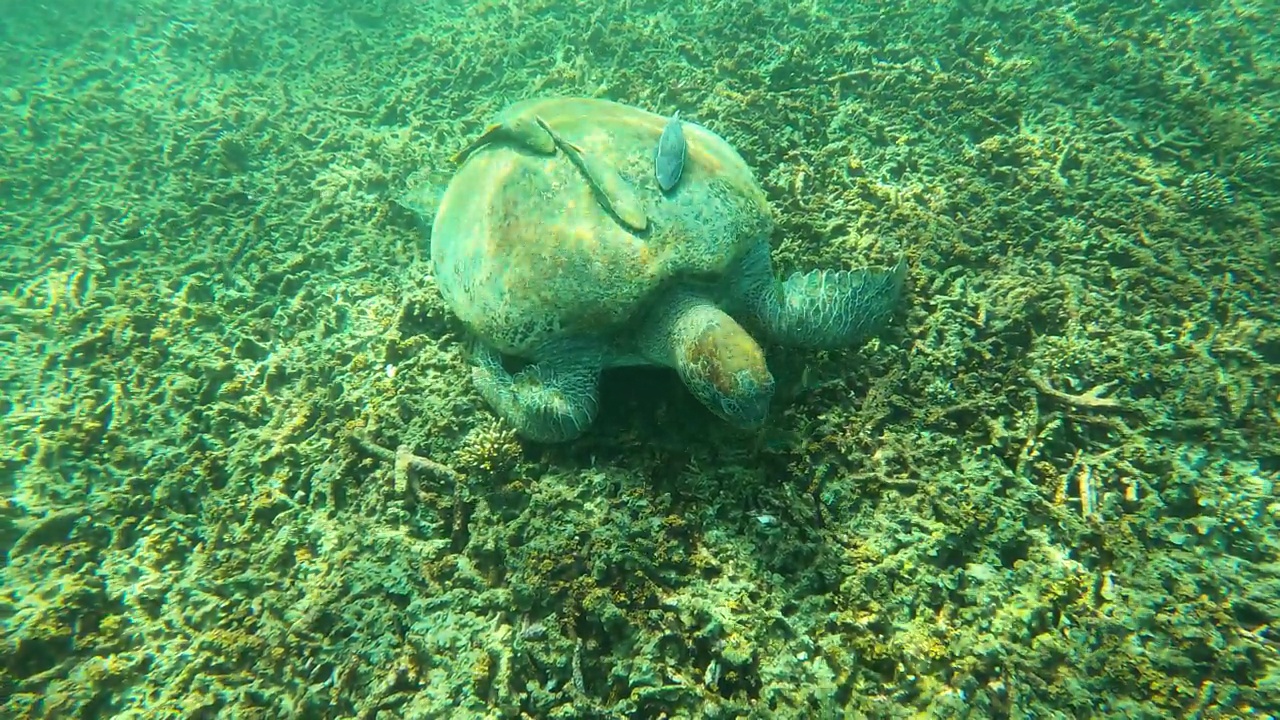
(243, 473)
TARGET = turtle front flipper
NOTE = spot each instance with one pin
(553, 400)
(613, 192)
(520, 130)
(822, 309)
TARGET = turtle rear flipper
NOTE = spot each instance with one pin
(611, 190)
(423, 194)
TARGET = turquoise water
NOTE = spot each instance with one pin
(245, 472)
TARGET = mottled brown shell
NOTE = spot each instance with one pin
(525, 253)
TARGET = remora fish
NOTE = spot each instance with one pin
(519, 130)
(611, 190)
(668, 158)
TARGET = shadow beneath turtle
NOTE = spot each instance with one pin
(647, 408)
(649, 405)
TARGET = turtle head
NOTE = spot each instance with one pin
(725, 368)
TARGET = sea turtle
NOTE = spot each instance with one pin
(570, 261)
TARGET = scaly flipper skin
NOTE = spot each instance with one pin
(822, 309)
(552, 400)
(718, 360)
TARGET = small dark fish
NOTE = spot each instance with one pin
(668, 158)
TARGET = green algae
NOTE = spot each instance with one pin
(1050, 492)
